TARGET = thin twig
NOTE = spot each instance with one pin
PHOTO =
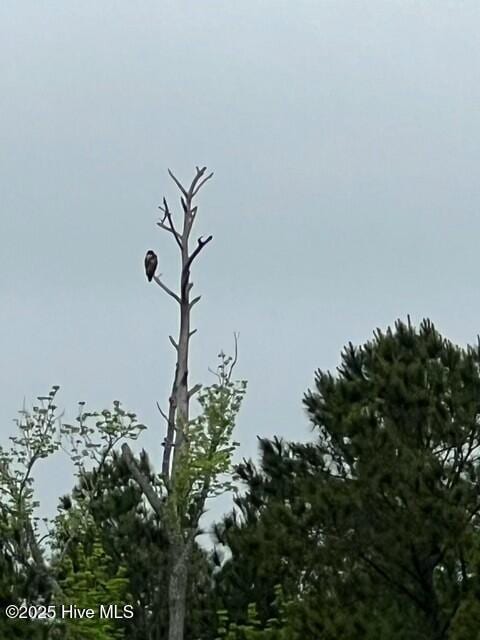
(235, 356)
(215, 373)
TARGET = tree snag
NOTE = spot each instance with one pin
(180, 538)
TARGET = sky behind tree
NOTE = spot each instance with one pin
(344, 137)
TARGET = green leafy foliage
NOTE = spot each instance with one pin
(37, 439)
(204, 465)
(87, 582)
(134, 540)
(27, 574)
(95, 435)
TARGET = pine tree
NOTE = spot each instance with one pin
(373, 528)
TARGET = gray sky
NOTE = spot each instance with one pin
(344, 137)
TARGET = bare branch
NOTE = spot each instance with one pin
(43, 538)
(165, 208)
(195, 389)
(143, 482)
(173, 342)
(163, 226)
(200, 244)
(170, 430)
(195, 300)
(162, 413)
(39, 560)
(166, 289)
(235, 355)
(192, 332)
(215, 373)
(198, 176)
(171, 226)
(177, 182)
(200, 185)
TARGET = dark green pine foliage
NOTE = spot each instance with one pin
(255, 549)
(372, 530)
(133, 538)
(399, 446)
(18, 584)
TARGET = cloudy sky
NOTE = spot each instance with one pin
(344, 136)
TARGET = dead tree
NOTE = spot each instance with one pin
(180, 537)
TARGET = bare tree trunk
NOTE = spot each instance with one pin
(180, 550)
(180, 395)
(177, 590)
(180, 540)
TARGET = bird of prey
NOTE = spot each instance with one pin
(151, 262)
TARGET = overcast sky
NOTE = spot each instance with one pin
(344, 137)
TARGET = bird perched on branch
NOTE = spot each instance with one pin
(151, 262)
